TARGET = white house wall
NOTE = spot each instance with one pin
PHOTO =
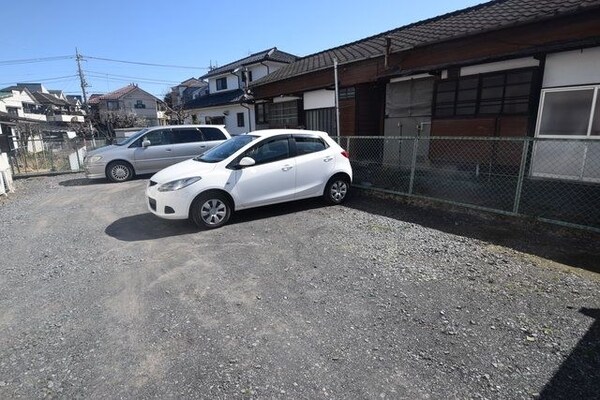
(578, 67)
(230, 113)
(319, 99)
(232, 83)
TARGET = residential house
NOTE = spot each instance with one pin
(502, 68)
(227, 102)
(17, 105)
(188, 90)
(129, 99)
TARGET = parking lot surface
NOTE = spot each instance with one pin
(100, 299)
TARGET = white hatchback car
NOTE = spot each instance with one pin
(251, 170)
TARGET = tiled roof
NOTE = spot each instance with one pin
(117, 94)
(9, 89)
(266, 55)
(94, 98)
(484, 17)
(217, 99)
(45, 98)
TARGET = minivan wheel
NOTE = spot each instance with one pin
(119, 171)
(336, 189)
(210, 211)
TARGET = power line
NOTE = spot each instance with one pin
(146, 81)
(104, 74)
(144, 63)
(34, 60)
(57, 78)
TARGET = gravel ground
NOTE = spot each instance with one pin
(100, 299)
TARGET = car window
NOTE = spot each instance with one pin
(212, 134)
(307, 145)
(225, 149)
(269, 151)
(156, 138)
(186, 135)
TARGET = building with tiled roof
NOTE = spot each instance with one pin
(514, 69)
(226, 102)
(486, 17)
(129, 99)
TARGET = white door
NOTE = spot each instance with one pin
(271, 180)
(314, 165)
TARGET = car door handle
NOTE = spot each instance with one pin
(168, 149)
(203, 147)
(328, 158)
(286, 168)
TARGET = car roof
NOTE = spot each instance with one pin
(275, 132)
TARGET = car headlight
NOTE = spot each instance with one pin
(178, 184)
(93, 159)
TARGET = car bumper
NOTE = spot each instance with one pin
(168, 205)
(94, 171)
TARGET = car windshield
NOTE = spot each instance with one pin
(225, 149)
(132, 138)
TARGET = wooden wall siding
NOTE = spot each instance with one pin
(347, 117)
(504, 42)
(478, 152)
(370, 104)
(348, 75)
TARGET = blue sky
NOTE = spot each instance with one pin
(183, 33)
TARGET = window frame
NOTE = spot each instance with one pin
(309, 136)
(261, 113)
(241, 121)
(594, 105)
(290, 143)
(478, 98)
(221, 83)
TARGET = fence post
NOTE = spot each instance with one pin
(413, 165)
(519, 188)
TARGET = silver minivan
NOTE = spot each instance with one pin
(151, 150)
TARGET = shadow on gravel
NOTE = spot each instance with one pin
(82, 182)
(566, 246)
(275, 210)
(103, 181)
(147, 227)
(579, 375)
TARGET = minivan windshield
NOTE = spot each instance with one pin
(132, 138)
(225, 149)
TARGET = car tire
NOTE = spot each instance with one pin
(119, 171)
(210, 210)
(336, 190)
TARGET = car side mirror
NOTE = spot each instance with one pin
(246, 162)
(146, 143)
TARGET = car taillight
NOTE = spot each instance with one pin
(346, 154)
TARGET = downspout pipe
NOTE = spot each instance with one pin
(249, 120)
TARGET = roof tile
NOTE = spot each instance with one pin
(495, 14)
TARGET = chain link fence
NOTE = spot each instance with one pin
(557, 180)
(46, 156)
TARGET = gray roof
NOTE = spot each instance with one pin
(265, 55)
(217, 99)
(484, 17)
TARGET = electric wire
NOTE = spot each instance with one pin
(34, 60)
(143, 63)
(104, 74)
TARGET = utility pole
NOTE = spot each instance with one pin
(84, 84)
